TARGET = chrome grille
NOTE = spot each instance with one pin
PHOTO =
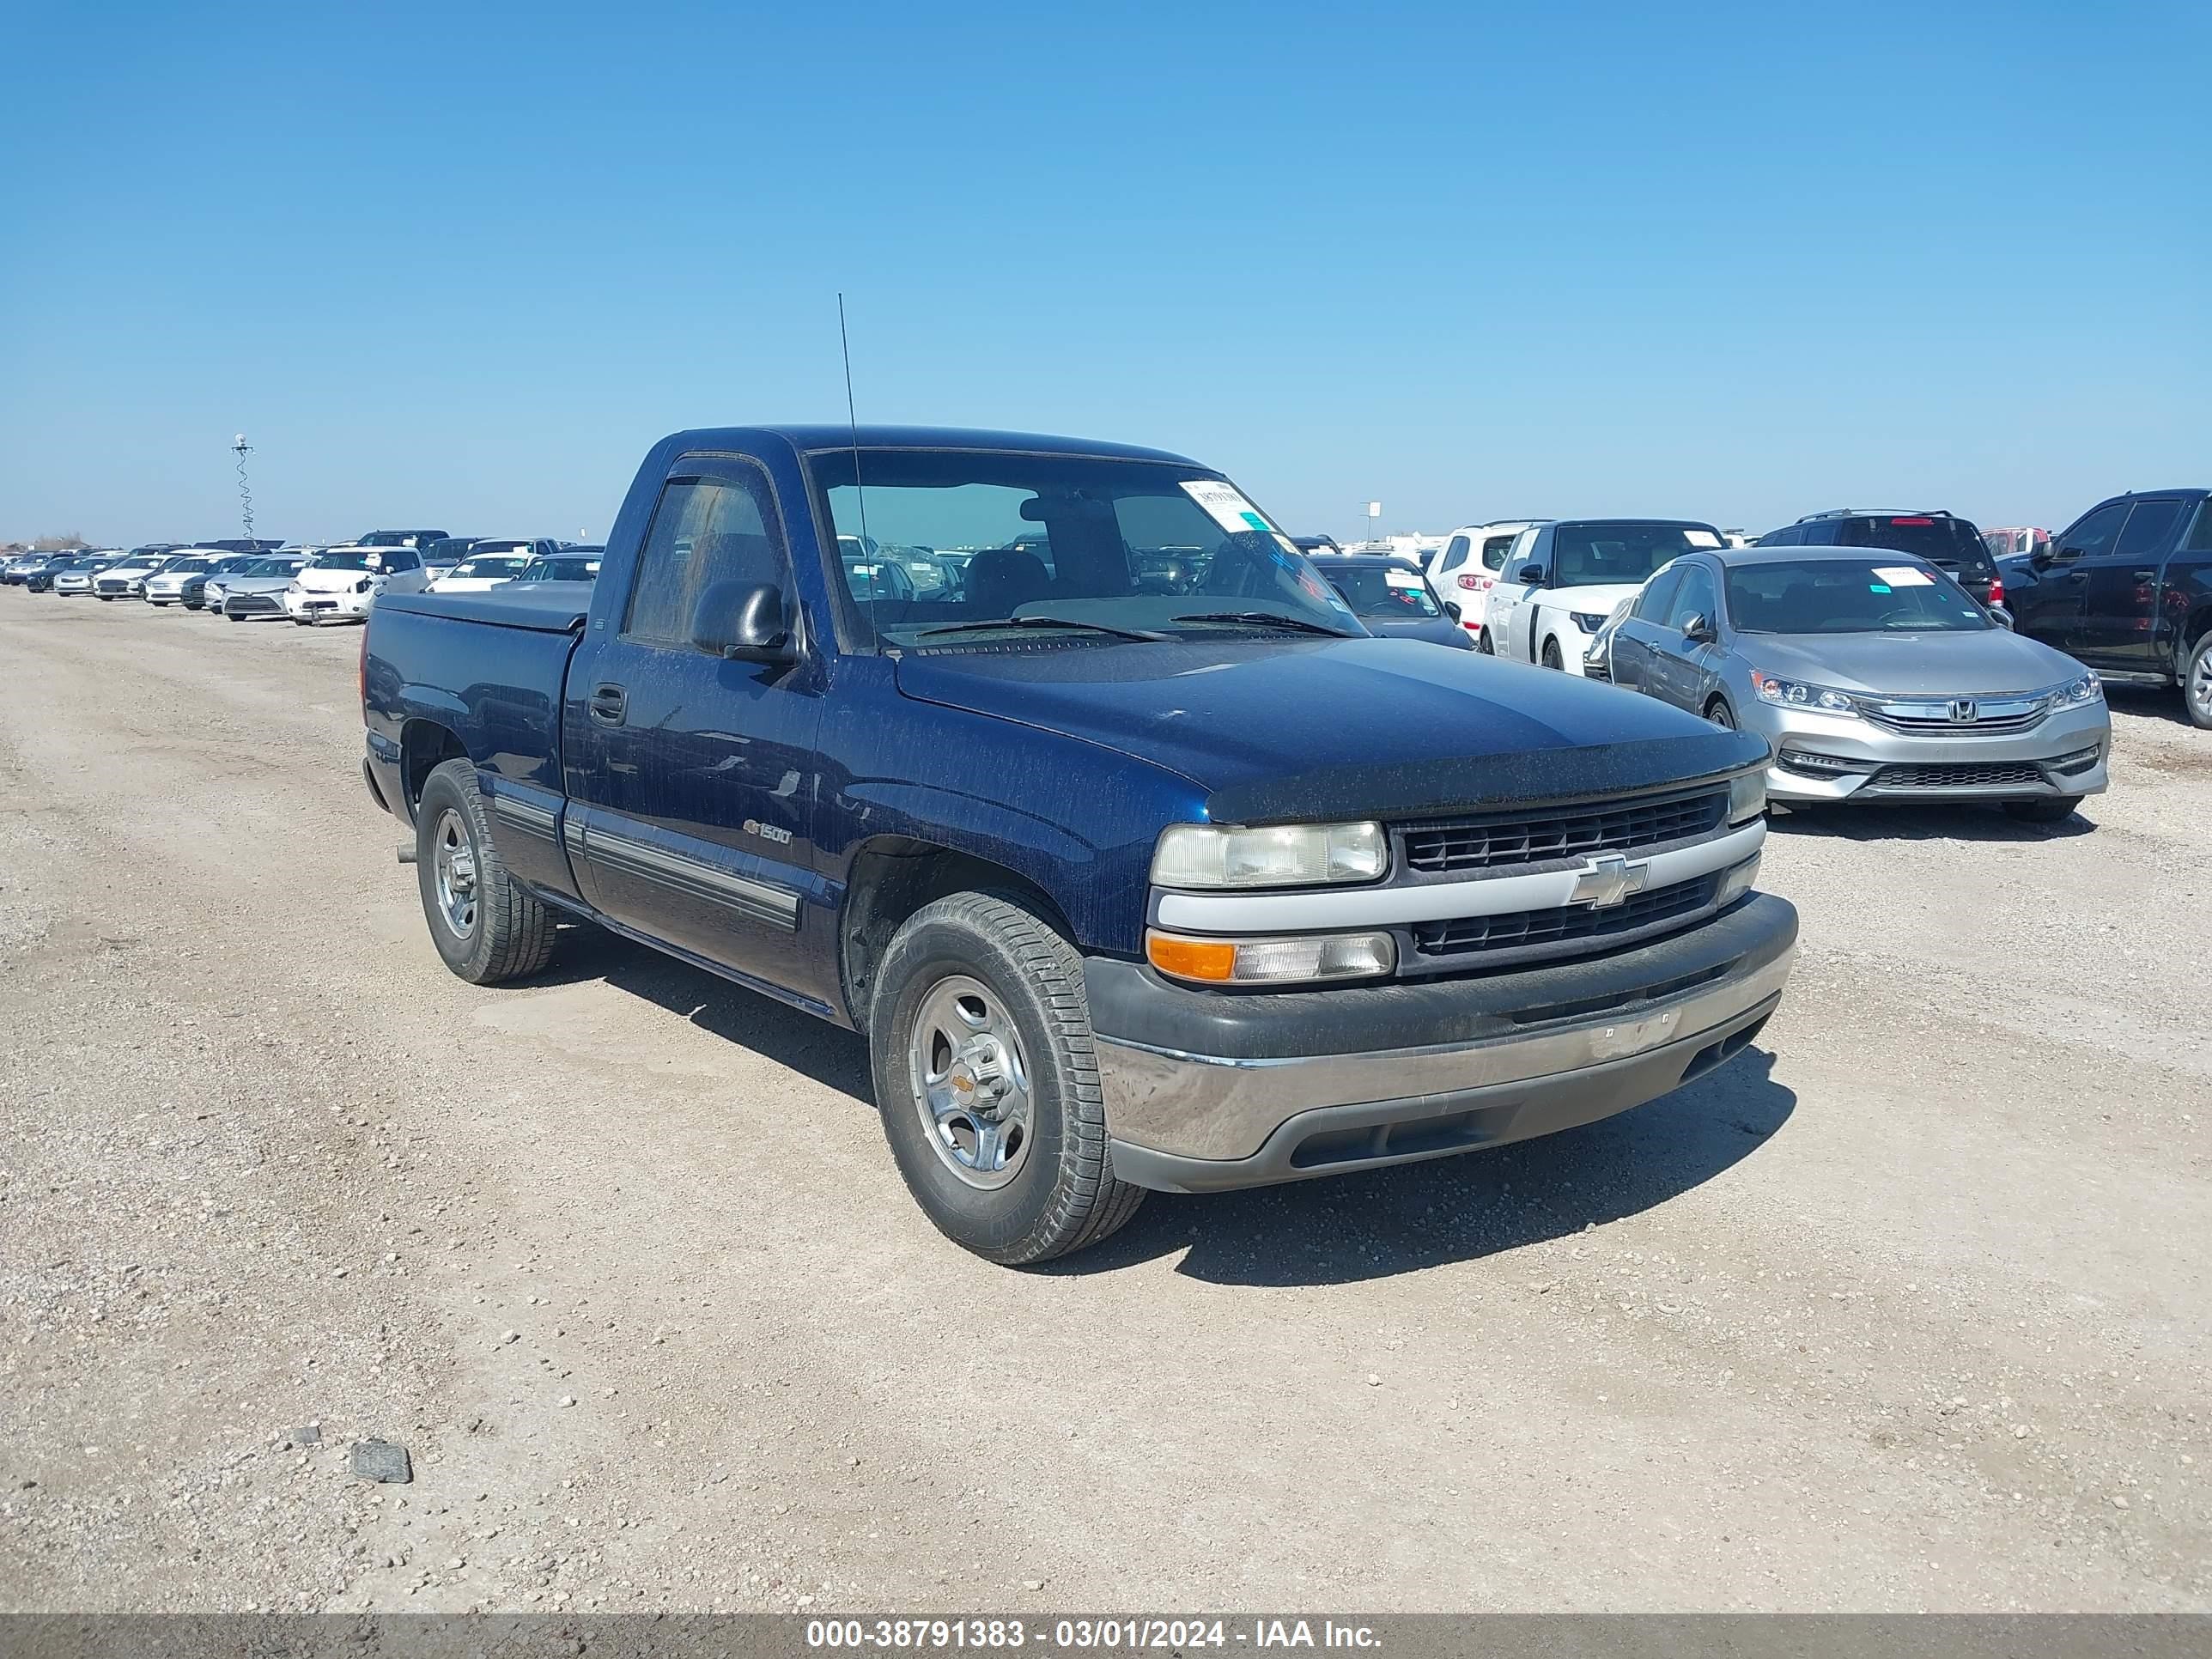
(1483, 843)
(1562, 924)
(1992, 716)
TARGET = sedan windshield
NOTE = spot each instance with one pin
(1079, 550)
(186, 566)
(1848, 596)
(1602, 554)
(271, 567)
(559, 570)
(503, 567)
(1382, 593)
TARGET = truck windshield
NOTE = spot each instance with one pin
(1058, 547)
(1953, 543)
(1849, 596)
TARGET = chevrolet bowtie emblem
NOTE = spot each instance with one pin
(1605, 881)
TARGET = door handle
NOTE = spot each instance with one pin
(608, 704)
(2077, 575)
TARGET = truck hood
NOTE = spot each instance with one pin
(1940, 664)
(1277, 729)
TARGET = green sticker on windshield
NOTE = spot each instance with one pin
(1876, 587)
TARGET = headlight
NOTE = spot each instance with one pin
(1279, 855)
(1746, 797)
(1585, 621)
(296, 588)
(362, 587)
(2075, 693)
(1271, 961)
(1796, 693)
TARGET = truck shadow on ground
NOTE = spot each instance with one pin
(1346, 1229)
(1337, 1230)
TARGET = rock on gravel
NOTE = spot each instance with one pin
(379, 1460)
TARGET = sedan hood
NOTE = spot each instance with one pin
(1932, 664)
(256, 584)
(1278, 729)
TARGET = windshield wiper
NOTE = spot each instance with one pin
(1041, 622)
(1269, 618)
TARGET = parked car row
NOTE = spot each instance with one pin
(265, 581)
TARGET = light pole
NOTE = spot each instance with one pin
(1374, 519)
(241, 448)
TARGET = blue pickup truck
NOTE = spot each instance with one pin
(1138, 862)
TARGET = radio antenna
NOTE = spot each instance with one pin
(852, 423)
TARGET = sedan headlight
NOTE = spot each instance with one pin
(1271, 961)
(2075, 693)
(1589, 621)
(1748, 796)
(1277, 855)
(1797, 694)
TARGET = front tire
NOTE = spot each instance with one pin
(487, 929)
(2056, 810)
(1552, 657)
(987, 1076)
(2197, 683)
(1721, 715)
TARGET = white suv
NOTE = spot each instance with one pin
(1565, 577)
(1467, 569)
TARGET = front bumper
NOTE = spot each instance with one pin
(1205, 1091)
(1827, 758)
(313, 606)
(254, 605)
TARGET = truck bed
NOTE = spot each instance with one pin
(541, 607)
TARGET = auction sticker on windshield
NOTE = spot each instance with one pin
(1701, 538)
(1401, 578)
(1903, 575)
(1228, 509)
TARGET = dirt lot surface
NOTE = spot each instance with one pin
(1906, 1308)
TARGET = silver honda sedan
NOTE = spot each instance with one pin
(1874, 675)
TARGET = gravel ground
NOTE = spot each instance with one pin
(1905, 1310)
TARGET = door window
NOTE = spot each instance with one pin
(2096, 533)
(1651, 604)
(705, 530)
(1694, 598)
(1494, 551)
(1454, 555)
(2200, 533)
(2148, 528)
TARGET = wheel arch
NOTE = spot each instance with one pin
(425, 746)
(891, 876)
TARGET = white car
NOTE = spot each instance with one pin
(1467, 569)
(340, 584)
(127, 580)
(482, 570)
(1565, 576)
(182, 569)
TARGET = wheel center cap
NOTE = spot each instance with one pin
(979, 1077)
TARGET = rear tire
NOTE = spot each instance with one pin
(1482, 642)
(2057, 810)
(1001, 1138)
(2197, 683)
(500, 933)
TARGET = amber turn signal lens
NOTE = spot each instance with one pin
(1192, 959)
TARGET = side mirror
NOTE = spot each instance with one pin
(741, 623)
(1699, 630)
(1452, 610)
(2054, 556)
(1532, 574)
(1999, 615)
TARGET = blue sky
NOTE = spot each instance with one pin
(460, 264)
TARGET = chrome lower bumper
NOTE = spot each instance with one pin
(1193, 1121)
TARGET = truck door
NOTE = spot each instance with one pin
(2048, 606)
(2118, 624)
(693, 778)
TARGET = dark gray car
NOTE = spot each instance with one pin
(1392, 598)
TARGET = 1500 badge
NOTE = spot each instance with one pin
(780, 836)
